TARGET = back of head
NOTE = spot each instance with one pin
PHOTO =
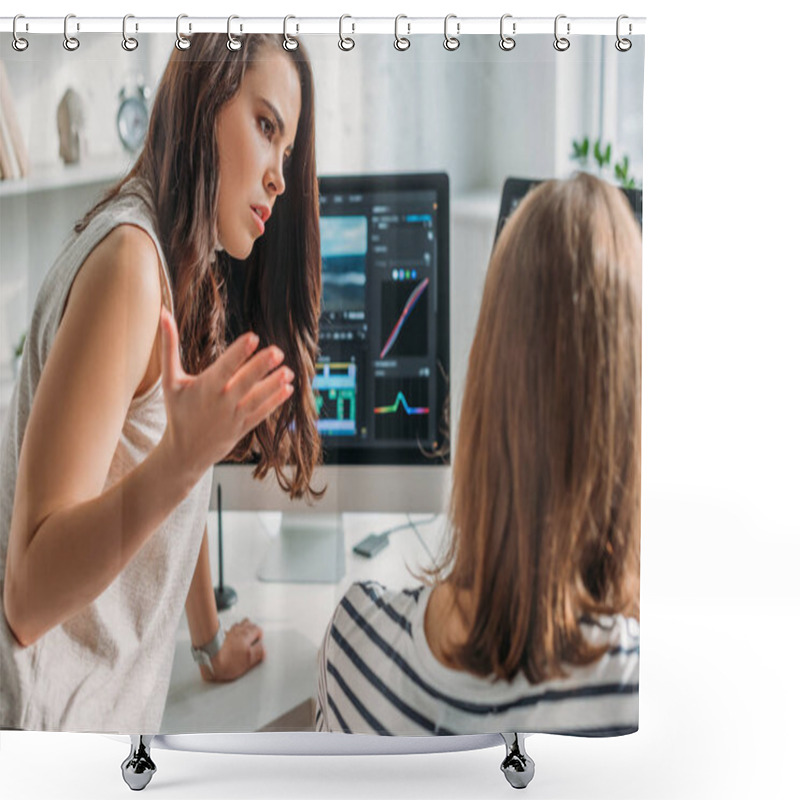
(546, 495)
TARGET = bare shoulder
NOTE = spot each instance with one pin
(124, 263)
(115, 303)
(130, 239)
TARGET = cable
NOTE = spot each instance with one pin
(419, 535)
(375, 542)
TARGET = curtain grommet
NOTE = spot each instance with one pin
(507, 42)
(18, 42)
(289, 42)
(451, 43)
(129, 43)
(401, 43)
(346, 43)
(561, 43)
(181, 42)
(234, 42)
(623, 45)
(70, 43)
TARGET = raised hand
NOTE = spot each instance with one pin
(208, 413)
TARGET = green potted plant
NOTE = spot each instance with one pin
(601, 157)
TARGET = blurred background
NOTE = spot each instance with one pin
(478, 114)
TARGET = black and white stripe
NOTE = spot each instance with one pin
(377, 676)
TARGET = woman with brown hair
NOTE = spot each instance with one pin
(530, 622)
(128, 394)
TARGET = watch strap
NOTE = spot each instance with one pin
(204, 653)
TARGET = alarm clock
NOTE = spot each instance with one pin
(133, 117)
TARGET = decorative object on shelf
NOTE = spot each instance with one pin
(601, 153)
(71, 121)
(133, 116)
(18, 354)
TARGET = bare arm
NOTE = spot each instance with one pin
(69, 539)
(242, 649)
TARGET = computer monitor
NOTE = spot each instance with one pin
(381, 380)
(514, 189)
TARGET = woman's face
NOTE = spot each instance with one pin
(255, 135)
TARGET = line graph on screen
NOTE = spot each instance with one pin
(390, 300)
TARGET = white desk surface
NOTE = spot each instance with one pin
(293, 617)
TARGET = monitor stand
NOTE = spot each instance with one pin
(309, 548)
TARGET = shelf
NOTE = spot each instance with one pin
(51, 177)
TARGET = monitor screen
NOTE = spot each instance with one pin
(384, 331)
(384, 337)
(514, 189)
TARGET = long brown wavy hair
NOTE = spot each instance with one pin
(545, 508)
(179, 165)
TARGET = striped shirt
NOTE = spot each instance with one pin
(377, 675)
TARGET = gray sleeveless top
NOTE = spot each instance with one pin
(107, 668)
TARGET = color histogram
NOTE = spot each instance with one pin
(401, 408)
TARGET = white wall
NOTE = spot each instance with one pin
(478, 113)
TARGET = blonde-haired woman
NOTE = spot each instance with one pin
(530, 622)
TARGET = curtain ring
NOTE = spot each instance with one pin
(401, 42)
(181, 42)
(451, 42)
(623, 45)
(129, 43)
(561, 43)
(289, 42)
(18, 43)
(345, 42)
(507, 42)
(234, 43)
(70, 42)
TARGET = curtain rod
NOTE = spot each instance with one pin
(299, 25)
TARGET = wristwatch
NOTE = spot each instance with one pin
(204, 654)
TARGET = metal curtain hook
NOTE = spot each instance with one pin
(70, 42)
(451, 42)
(401, 42)
(129, 43)
(345, 42)
(18, 43)
(561, 43)
(623, 45)
(289, 42)
(181, 42)
(234, 43)
(507, 42)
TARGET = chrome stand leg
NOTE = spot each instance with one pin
(138, 768)
(518, 766)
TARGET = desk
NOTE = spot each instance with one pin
(275, 695)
